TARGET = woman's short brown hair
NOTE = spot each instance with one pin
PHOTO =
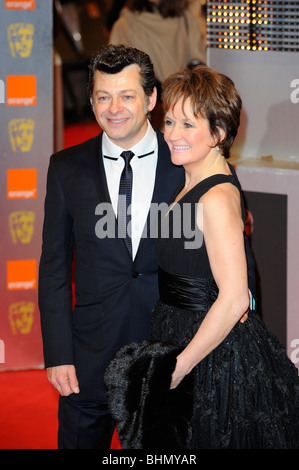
(213, 96)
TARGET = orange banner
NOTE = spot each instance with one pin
(21, 274)
(21, 90)
(20, 4)
(22, 183)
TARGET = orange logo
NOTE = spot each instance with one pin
(20, 4)
(21, 90)
(21, 274)
(22, 183)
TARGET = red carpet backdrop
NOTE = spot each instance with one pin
(26, 106)
(265, 154)
(29, 404)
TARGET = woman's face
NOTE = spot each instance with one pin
(188, 137)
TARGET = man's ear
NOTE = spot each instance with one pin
(152, 100)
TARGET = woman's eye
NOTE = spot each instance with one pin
(168, 122)
(187, 125)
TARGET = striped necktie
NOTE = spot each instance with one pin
(124, 199)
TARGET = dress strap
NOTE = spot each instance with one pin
(201, 188)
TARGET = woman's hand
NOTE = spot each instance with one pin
(179, 373)
(244, 317)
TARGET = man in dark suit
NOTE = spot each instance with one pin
(115, 289)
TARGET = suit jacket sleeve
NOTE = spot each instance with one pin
(55, 289)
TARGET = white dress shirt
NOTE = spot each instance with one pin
(143, 165)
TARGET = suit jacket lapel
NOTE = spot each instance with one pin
(161, 189)
(100, 171)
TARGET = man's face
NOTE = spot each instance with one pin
(120, 105)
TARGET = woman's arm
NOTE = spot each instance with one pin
(224, 239)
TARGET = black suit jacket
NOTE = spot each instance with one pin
(114, 295)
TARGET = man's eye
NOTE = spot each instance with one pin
(102, 98)
(128, 97)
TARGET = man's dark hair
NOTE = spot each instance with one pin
(114, 58)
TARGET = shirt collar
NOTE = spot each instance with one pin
(144, 147)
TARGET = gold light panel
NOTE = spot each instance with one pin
(253, 25)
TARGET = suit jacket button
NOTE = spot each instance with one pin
(135, 274)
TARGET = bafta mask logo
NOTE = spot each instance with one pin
(21, 317)
(20, 38)
(21, 134)
(21, 225)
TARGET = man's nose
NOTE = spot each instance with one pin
(115, 105)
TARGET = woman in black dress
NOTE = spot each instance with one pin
(245, 387)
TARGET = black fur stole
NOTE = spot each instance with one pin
(149, 415)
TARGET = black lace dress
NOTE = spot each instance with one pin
(246, 391)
